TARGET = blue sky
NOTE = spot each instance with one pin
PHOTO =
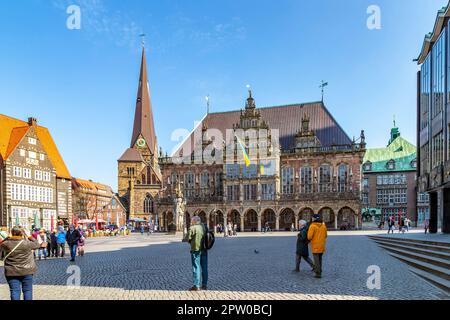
(82, 84)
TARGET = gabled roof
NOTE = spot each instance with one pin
(12, 132)
(131, 155)
(93, 186)
(400, 150)
(431, 37)
(287, 119)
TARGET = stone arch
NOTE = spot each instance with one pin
(234, 216)
(202, 216)
(347, 219)
(306, 214)
(268, 218)
(287, 218)
(327, 214)
(215, 218)
(251, 220)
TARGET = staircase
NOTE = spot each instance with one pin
(429, 260)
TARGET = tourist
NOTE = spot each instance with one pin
(199, 254)
(72, 237)
(302, 246)
(53, 244)
(391, 224)
(81, 244)
(19, 263)
(426, 225)
(401, 225)
(49, 245)
(142, 229)
(61, 242)
(235, 230)
(42, 239)
(407, 224)
(230, 229)
(317, 234)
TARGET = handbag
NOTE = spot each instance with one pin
(6, 257)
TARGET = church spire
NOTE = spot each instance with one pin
(143, 119)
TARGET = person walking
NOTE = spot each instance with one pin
(318, 234)
(426, 225)
(391, 224)
(72, 237)
(61, 242)
(302, 246)
(19, 263)
(199, 254)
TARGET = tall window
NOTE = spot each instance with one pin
(425, 92)
(325, 178)
(306, 179)
(204, 184)
(148, 204)
(287, 178)
(189, 184)
(438, 81)
(268, 191)
(343, 178)
(438, 149)
(250, 192)
(233, 192)
(218, 180)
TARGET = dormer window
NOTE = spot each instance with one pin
(391, 165)
(368, 166)
(414, 164)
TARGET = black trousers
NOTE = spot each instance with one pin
(318, 263)
(306, 258)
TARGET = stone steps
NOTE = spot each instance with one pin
(430, 260)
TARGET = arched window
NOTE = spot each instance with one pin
(325, 178)
(148, 204)
(343, 178)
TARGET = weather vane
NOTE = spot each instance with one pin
(208, 103)
(322, 86)
(142, 35)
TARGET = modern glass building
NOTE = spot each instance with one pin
(433, 126)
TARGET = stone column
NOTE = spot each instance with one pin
(242, 223)
(225, 224)
(259, 221)
(433, 212)
(277, 222)
(207, 220)
(336, 221)
(296, 217)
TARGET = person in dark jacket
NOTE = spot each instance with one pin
(302, 246)
(19, 263)
(54, 244)
(72, 238)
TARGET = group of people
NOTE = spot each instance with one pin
(314, 233)
(20, 248)
(404, 224)
(230, 230)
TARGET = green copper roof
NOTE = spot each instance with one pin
(400, 150)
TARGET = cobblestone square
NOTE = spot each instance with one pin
(158, 267)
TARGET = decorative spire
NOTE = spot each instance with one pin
(143, 118)
(250, 101)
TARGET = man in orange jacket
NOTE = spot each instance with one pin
(317, 234)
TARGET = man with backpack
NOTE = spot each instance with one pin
(201, 240)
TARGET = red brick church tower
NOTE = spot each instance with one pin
(139, 176)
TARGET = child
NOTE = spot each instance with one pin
(81, 244)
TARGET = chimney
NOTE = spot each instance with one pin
(32, 121)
